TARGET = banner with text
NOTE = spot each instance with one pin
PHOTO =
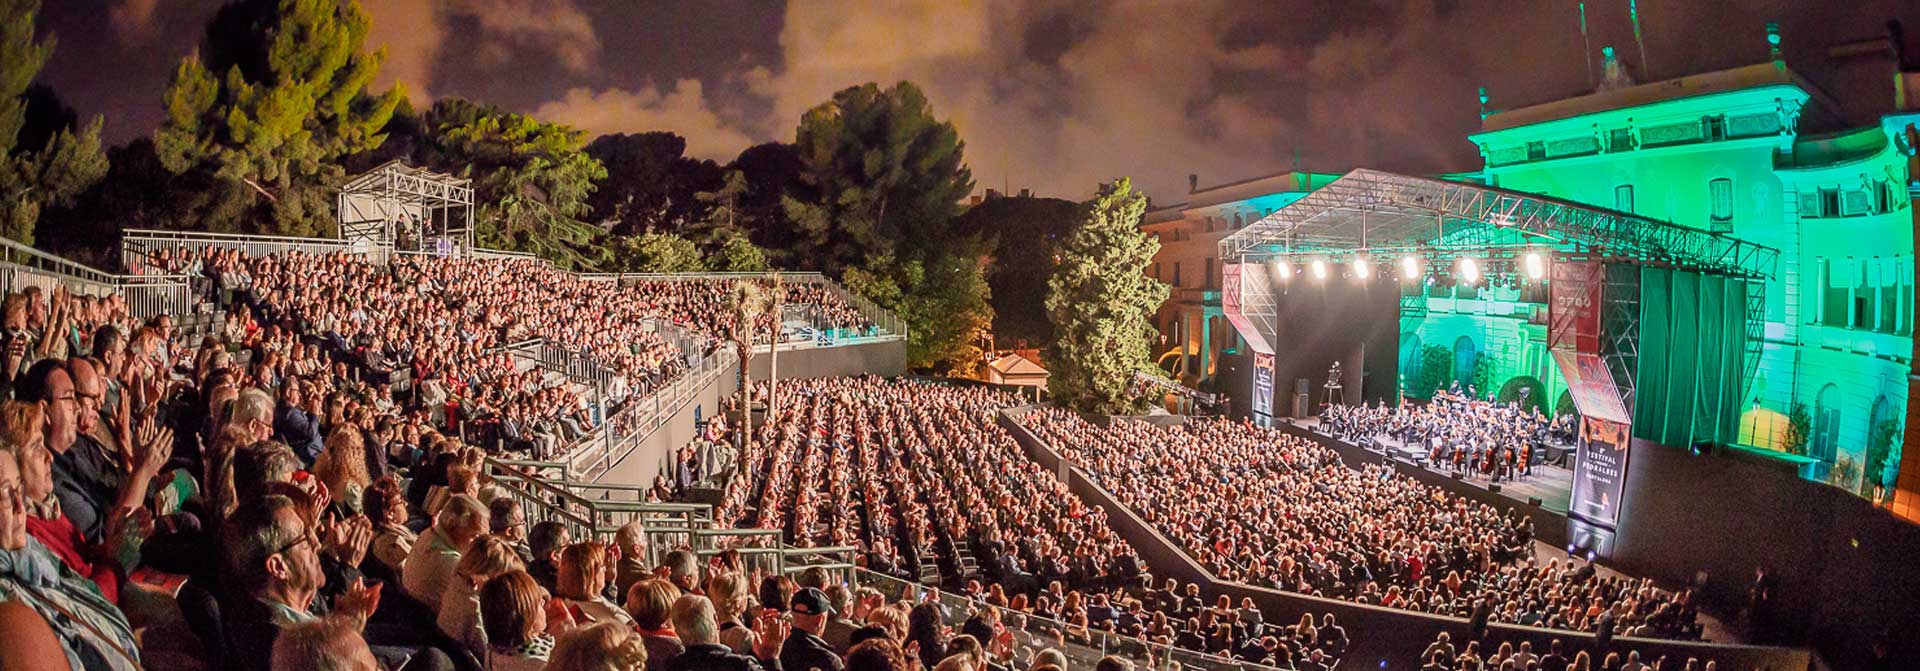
(1573, 317)
(1262, 385)
(1600, 474)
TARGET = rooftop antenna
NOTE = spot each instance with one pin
(1773, 40)
(1483, 104)
(1586, 46)
(1633, 12)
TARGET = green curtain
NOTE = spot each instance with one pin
(1692, 341)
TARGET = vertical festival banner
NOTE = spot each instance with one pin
(1573, 320)
(1262, 385)
(1600, 476)
(1600, 470)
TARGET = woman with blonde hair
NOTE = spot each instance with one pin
(582, 582)
(731, 600)
(606, 646)
(486, 558)
(342, 465)
(518, 627)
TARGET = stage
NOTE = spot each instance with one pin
(1553, 485)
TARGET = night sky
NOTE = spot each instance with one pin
(1055, 95)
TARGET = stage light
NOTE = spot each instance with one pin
(1285, 269)
(1469, 271)
(1319, 269)
(1536, 268)
(1362, 268)
(1409, 267)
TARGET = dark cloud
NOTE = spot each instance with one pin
(1051, 94)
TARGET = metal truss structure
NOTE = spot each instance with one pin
(1373, 213)
(378, 204)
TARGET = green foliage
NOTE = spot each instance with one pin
(1101, 302)
(1510, 392)
(881, 177)
(1565, 406)
(21, 57)
(1882, 462)
(1482, 379)
(740, 255)
(531, 178)
(652, 185)
(262, 116)
(944, 304)
(1435, 371)
(34, 174)
(1026, 234)
(657, 253)
(1799, 430)
(723, 208)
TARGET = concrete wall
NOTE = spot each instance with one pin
(655, 452)
(885, 358)
(1382, 638)
(1845, 571)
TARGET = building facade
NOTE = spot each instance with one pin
(1746, 152)
(1193, 329)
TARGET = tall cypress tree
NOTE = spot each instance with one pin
(264, 113)
(1101, 301)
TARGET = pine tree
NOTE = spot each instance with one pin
(531, 178)
(1101, 301)
(34, 177)
(265, 112)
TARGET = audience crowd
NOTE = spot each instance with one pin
(1267, 508)
(304, 489)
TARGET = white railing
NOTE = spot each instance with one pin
(22, 266)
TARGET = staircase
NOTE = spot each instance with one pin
(963, 558)
(929, 570)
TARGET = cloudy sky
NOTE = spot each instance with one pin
(1054, 95)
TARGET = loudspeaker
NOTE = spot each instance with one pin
(1458, 476)
(1495, 488)
(1533, 501)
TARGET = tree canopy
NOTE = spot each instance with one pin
(880, 176)
(45, 159)
(651, 184)
(262, 116)
(531, 179)
(1026, 236)
(1101, 301)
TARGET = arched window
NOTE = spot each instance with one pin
(1826, 424)
(1464, 354)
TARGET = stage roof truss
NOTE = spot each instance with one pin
(1372, 212)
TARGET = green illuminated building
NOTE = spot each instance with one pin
(1725, 152)
(1733, 152)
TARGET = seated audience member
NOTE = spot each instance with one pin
(546, 540)
(508, 521)
(879, 654)
(606, 646)
(392, 540)
(430, 566)
(693, 620)
(519, 623)
(731, 601)
(583, 584)
(323, 644)
(650, 602)
(631, 541)
(44, 604)
(804, 649)
(459, 619)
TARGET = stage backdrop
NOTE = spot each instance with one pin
(1692, 341)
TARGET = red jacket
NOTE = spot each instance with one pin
(60, 536)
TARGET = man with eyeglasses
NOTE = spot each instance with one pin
(274, 558)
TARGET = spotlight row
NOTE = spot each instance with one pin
(1361, 267)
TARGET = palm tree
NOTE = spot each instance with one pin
(750, 302)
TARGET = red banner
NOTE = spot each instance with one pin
(1573, 316)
